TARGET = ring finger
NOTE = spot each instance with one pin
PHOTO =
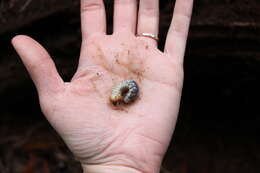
(148, 20)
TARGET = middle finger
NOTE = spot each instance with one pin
(125, 12)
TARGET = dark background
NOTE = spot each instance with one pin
(218, 126)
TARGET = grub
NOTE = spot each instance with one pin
(126, 91)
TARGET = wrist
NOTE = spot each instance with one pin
(145, 160)
(109, 169)
(122, 165)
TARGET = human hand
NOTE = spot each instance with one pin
(104, 137)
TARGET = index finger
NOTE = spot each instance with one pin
(178, 32)
(93, 17)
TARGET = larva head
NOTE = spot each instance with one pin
(115, 99)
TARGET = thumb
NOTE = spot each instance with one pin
(39, 64)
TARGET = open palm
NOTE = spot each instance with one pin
(101, 135)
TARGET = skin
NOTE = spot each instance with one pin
(103, 137)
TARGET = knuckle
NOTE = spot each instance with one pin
(180, 25)
(91, 5)
(123, 2)
(150, 11)
(149, 8)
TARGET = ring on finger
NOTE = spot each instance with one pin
(149, 35)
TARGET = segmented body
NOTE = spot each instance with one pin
(126, 91)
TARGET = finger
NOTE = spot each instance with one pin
(148, 19)
(125, 13)
(178, 32)
(38, 63)
(93, 17)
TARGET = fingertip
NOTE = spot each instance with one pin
(38, 63)
(27, 47)
(19, 38)
(23, 42)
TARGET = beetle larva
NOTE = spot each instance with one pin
(126, 91)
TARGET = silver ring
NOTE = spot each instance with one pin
(149, 35)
